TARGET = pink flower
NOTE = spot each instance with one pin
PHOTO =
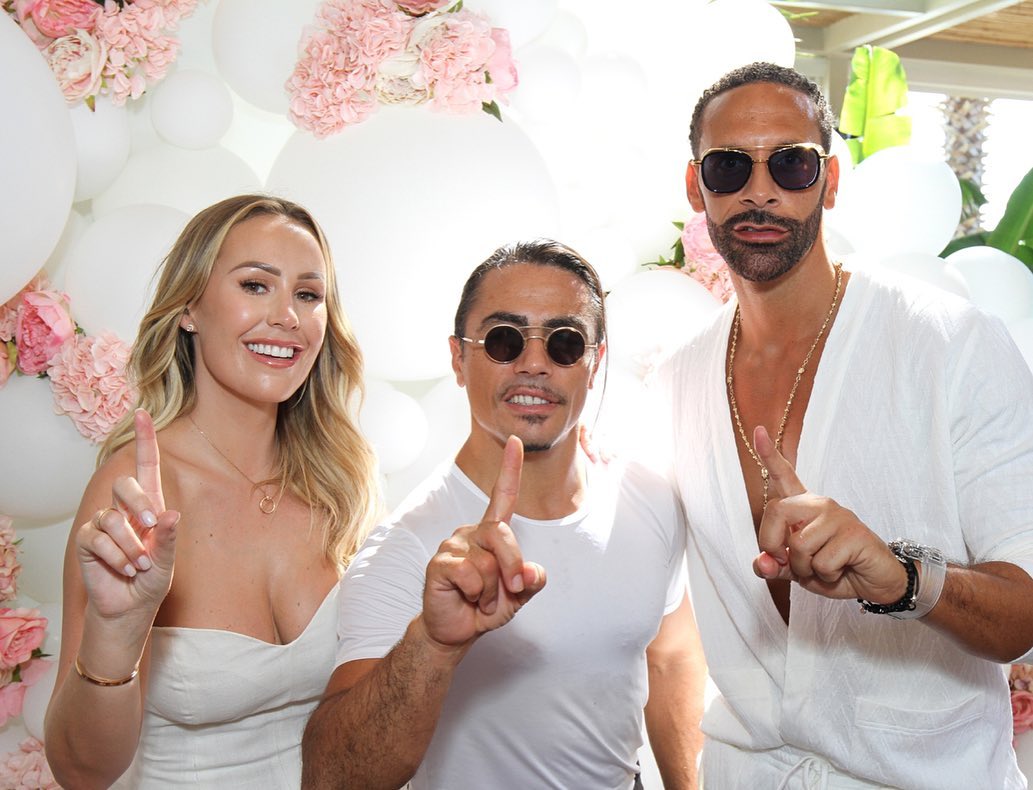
(1021, 677)
(1022, 710)
(77, 61)
(89, 381)
(56, 18)
(139, 52)
(702, 262)
(454, 50)
(420, 7)
(8, 354)
(500, 66)
(43, 327)
(9, 309)
(21, 632)
(9, 566)
(27, 768)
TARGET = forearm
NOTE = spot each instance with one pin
(673, 715)
(375, 733)
(985, 610)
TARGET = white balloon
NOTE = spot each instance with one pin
(39, 164)
(102, 146)
(550, 80)
(566, 33)
(45, 463)
(525, 20)
(652, 313)
(609, 252)
(172, 176)
(928, 268)
(1022, 334)
(395, 425)
(899, 200)
(256, 47)
(631, 421)
(195, 39)
(42, 557)
(412, 201)
(191, 109)
(110, 270)
(78, 222)
(997, 282)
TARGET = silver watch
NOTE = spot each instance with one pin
(931, 578)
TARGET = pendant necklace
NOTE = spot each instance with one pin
(267, 504)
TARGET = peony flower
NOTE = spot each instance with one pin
(56, 18)
(395, 84)
(1021, 677)
(78, 62)
(1022, 711)
(420, 7)
(454, 49)
(9, 309)
(89, 381)
(27, 768)
(702, 262)
(500, 66)
(43, 327)
(21, 632)
(9, 566)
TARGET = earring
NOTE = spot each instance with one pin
(190, 327)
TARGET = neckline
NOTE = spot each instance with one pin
(572, 518)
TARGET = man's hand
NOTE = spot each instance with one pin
(478, 579)
(817, 542)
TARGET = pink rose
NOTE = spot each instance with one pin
(27, 768)
(77, 61)
(12, 698)
(88, 377)
(56, 18)
(1022, 710)
(500, 65)
(702, 262)
(44, 326)
(9, 565)
(21, 632)
(420, 7)
(9, 309)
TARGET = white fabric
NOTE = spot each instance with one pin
(554, 698)
(919, 422)
(225, 710)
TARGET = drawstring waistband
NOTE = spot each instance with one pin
(814, 770)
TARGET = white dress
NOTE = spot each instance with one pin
(225, 710)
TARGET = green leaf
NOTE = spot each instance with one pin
(1015, 230)
(877, 89)
(972, 197)
(492, 109)
(972, 240)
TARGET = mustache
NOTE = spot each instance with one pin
(760, 217)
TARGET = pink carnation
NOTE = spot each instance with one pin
(421, 7)
(454, 50)
(90, 385)
(702, 262)
(9, 309)
(1022, 710)
(139, 52)
(78, 62)
(27, 768)
(9, 565)
(43, 328)
(56, 18)
(21, 632)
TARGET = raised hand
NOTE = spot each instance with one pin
(478, 579)
(819, 543)
(127, 551)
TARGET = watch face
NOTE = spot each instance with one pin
(916, 551)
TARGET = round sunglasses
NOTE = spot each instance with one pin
(504, 343)
(792, 167)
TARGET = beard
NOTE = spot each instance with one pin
(761, 263)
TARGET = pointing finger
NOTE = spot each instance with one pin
(784, 482)
(148, 469)
(507, 485)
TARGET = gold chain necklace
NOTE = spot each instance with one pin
(792, 393)
(267, 504)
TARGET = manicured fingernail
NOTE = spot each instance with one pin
(144, 562)
(129, 571)
(518, 583)
(148, 519)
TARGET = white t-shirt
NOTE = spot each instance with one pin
(554, 698)
(921, 422)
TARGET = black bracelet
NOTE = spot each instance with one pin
(905, 604)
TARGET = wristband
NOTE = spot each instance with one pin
(98, 681)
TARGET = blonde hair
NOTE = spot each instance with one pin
(323, 457)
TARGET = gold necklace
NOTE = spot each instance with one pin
(267, 504)
(792, 393)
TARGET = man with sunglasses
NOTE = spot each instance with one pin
(443, 677)
(845, 658)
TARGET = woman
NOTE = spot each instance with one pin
(251, 373)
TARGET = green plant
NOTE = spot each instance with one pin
(1014, 233)
(877, 89)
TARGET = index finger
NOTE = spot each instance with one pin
(148, 469)
(784, 482)
(507, 485)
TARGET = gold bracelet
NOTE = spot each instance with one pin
(104, 681)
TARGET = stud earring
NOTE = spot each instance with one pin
(190, 327)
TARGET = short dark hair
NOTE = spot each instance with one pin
(765, 72)
(539, 252)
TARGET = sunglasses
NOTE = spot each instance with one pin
(504, 343)
(792, 167)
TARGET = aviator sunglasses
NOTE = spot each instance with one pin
(504, 343)
(792, 167)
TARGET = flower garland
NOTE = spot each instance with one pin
(362, 53)
(694, 254)
(87, 374)
(117, 48)
(22, 663)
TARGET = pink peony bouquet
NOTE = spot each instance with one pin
(27, 769)
(694, 254)
(115, 48)
(87, 374)
(362, 53)
(1020, 681)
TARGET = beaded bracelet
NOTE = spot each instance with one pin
(105, 681)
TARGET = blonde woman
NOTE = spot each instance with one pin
(263, 491)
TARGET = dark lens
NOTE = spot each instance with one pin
(726, 171)
(503, 343)
(794, 168)
(566, 346)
